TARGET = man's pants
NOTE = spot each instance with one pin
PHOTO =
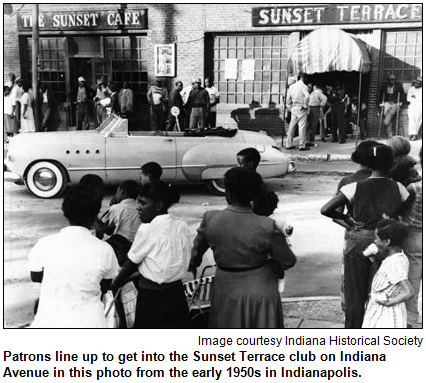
(101, 114)
(388, 114)
(157, 117)
(338, 121)
(173, 122)
(18, 116)
(46, 112)
(197, 118)
(314, 115)
(82, 116)
(413, 248)
(211, 120)
(415, 118)
(299, 116)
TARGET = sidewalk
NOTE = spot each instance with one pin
(333, 151)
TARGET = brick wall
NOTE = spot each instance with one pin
(187, 25)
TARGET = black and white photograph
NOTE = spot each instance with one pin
(213, 166)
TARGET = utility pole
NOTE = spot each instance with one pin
(35, 64)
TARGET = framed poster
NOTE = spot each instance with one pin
(165, 59)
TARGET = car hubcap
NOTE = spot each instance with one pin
(44, 179)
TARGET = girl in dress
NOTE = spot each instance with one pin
(390, 287)
(27, 114)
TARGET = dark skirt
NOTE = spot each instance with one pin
(247, 299)
(163, 308)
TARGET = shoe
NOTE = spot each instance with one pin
(334, 140)
(291, 147)
(310, 145)
(323, 140)
(342, 141)
(413, 138)
(303, 148)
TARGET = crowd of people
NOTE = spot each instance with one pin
(192, 107)
(313, 108)
(138, 249)
(382, 204)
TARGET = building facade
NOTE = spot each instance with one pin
(244, 48)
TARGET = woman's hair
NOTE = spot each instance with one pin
(93, 182)
(265, 204)
(153, 170)
(403, 171)
(379, 157)
(130, 188)
(158, 191)
(242, 184)
(400, 146)
(360, 154)
(395, 231)
(26, 86)
(81, 205)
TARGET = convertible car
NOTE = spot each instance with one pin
(47, 162)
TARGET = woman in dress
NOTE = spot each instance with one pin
(245, 291)
(27, 113)
(160, 253)
(71, 265)
(390, 287)
(368, 201)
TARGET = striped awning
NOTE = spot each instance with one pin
(328, 50)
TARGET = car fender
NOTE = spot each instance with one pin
(208, 161)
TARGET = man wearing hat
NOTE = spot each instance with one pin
(82, 97)
(415, 112)
(15, 98)
(391, 97)
(102, 92)
(199, 101)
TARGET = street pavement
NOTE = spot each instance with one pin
(308, 310)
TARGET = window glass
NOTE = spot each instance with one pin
(270, 52)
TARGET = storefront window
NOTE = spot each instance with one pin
(51, 65)
(402, 55)
(270, 54)
(129, 60)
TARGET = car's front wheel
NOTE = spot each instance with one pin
(46, 179)
(216, 186)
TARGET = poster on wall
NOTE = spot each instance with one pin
(231, 69)
(165, 60)
(248, 70)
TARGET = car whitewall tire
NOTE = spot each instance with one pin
(216, 186)
(46, 179)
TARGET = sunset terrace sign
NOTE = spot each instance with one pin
(87, 20)
(336, 14)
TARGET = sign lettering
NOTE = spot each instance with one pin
(336, 14)
(128, 19)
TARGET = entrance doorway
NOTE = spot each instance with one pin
(91, 69)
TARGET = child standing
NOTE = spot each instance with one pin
(390, 287)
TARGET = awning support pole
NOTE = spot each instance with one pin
(359, 109)
(285, 108)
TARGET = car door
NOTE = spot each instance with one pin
(126, 155)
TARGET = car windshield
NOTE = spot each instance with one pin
(109, 125)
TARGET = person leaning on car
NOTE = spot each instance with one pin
(199, 101)
(82, 98)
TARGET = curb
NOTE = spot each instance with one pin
(321, 158)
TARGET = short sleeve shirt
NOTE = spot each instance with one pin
(162, 249)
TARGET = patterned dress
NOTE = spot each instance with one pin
(393, 270)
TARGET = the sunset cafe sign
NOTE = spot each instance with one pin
(86, 20)
(336, 14)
